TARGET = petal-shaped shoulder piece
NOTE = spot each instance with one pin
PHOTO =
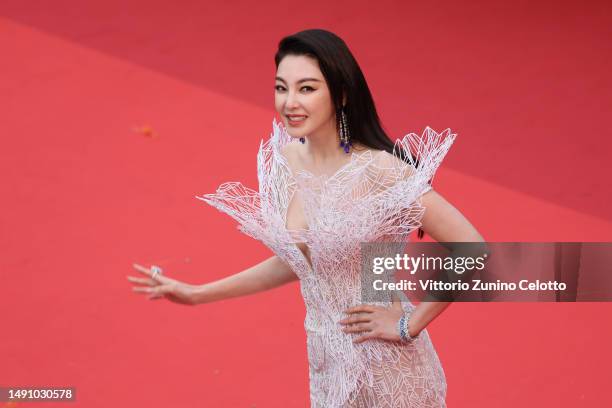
(241, 203)
(402, 177)
(423, 154)
(276, 183)
(260, 214)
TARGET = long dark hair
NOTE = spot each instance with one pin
(343, 76)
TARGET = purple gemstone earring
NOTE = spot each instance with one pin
(344, 132)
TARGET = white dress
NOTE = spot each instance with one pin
(373, 198)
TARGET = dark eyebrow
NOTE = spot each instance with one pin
(301, 80)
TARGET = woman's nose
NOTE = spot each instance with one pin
(292, 101)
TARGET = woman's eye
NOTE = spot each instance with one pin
(282, 88)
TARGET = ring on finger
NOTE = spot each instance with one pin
(156, 270)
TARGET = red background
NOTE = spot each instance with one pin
(525, 85)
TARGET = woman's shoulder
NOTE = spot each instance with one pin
(360, 149)
(380, 158)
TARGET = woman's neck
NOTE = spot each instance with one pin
(323, 145)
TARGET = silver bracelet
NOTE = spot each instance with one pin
(402, 328)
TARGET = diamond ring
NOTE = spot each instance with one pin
(156, 270)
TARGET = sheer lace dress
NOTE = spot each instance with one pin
(375, 197)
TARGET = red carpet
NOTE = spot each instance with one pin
(526, 87)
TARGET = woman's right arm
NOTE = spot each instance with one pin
(265, 275)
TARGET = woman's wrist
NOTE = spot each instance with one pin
(200, 294)
(405, 327)
(413, 329)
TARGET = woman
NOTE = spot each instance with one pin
(330, 179)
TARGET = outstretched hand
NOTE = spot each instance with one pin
(375, 322)
(159, 286)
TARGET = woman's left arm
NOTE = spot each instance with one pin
(444, 223)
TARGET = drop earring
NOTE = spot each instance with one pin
(345, 141)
